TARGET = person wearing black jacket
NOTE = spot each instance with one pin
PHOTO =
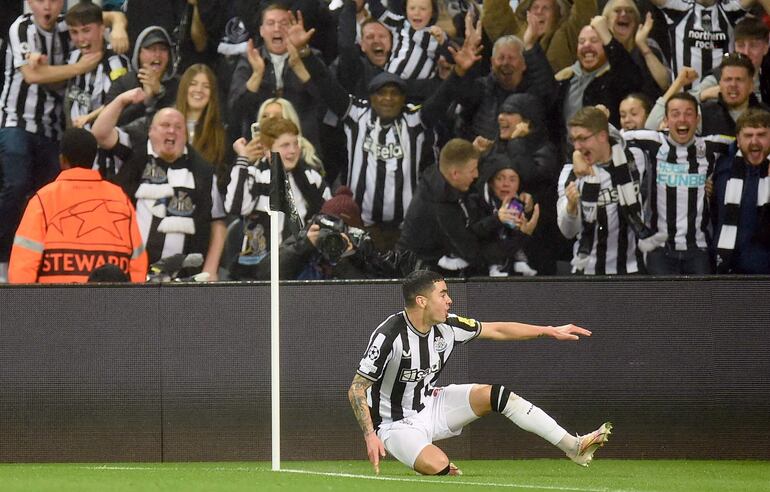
(523, 142)
(333, 245)
(604, 74)
(152, 69)
(388, 141)
(446, 226)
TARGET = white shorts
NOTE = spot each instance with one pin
(445, 414)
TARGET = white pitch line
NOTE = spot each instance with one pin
(367, 477)
(452, 482)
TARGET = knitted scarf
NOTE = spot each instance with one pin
(169, 187)
(629, 207)
(733, 194)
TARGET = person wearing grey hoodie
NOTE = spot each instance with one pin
(152, 66)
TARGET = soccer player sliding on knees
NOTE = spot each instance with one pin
(401, 411)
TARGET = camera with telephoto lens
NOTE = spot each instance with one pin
(331, 244)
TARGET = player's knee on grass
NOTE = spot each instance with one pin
(432, 461)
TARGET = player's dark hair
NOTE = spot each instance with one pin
(82, 13)
(682, 96)
(78, 147)
(418, 283)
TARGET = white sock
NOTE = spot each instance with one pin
(531, 418)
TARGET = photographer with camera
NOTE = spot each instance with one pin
(333, 244)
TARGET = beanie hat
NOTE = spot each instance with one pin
(343, 206)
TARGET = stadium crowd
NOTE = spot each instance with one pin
(503, 138)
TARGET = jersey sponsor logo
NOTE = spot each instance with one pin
(467, 321)
(677, 175)
(383, 152)
(610, 195)
(77, 262)
(414, 375)
(709, 40)
(439, 344)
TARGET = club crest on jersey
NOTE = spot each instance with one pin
(439, 344)
(383, 152)
(700, 149)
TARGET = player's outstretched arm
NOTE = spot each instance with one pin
(357, 396)
(521, 331)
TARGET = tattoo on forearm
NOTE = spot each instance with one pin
(357, 397)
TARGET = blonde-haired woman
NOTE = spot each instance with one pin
(279, 107)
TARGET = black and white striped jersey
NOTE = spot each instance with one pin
(37, 108)
(676, 201)
(413, 55)
(87, 91)
(384, 160)
(404, 363)
(614, 249)
(700, 35)
(249, 190)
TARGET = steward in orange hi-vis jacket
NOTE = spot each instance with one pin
(77, 224)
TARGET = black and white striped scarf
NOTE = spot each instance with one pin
(733, 195)
(628, 203)
(169, 190)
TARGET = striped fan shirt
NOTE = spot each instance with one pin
(87, 92)
(37, 108)
(677, 201)
(413, 55)
(384, 160)
(614, 248)
(249, 190)
(404, 363)
(700, 35)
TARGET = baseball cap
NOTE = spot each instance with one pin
(382, 79)
(154, 37)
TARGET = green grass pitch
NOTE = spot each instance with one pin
(525, 475)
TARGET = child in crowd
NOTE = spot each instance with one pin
(417, 42)
(500, 186)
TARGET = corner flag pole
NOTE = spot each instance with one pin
(275, 320)
(281, 206)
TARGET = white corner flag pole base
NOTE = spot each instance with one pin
(275, 372)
